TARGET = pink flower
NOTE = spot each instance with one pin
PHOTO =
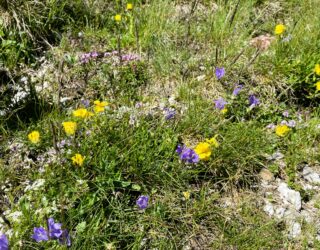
(262, 42)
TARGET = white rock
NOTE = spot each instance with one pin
(290, 214)
(290, 196)
(310, 175)
(20, 95)
(295, 230)
(275, 156)
(307, 216)
(201, 78)
(268, 208)
(65, 99)
(280, 212)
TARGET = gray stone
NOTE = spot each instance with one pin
(290, 196)
(294, 230)
(268, 208)
(307, 216)
(280, 211)
(275, 156)
(310, 175)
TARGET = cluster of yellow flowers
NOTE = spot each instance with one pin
(279, 30)
(118, 17)
(204, 149)
(70, 127)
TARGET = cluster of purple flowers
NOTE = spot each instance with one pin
(187, 155)
(54, 232)
(220, 103)
(4, 243)
(291, 123)
(130, 57)
(86, 57)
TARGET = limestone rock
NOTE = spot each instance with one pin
(290, 196)
(310, 175)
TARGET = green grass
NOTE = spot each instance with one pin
(130, 150)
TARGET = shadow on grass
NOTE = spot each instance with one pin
(23, 114)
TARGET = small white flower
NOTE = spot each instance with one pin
(15, 216)
(9, 233)
(35, 186)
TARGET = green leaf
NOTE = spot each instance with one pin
(136, 187)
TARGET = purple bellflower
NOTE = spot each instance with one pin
(86, 103)
(55, 230)
(253, 101)
(220, 103)
(237, 90)
(189, 156)
(65, 238)
(40, 234)
(142, 202)
(186, 154)
(220, 72)
(4, 242)
(180, 148)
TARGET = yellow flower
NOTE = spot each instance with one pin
(318, 86)
(186, 195)
(213, 141)
(77, 159)
(279, 29)
(82, 113)
(203, 149)
(224, 111)
(117, 18)
(129, 6)
(317, 69)
(282, 130)
(70, 127)
(34, 137)
(99, 106)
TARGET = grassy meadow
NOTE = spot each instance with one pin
(144, 124)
